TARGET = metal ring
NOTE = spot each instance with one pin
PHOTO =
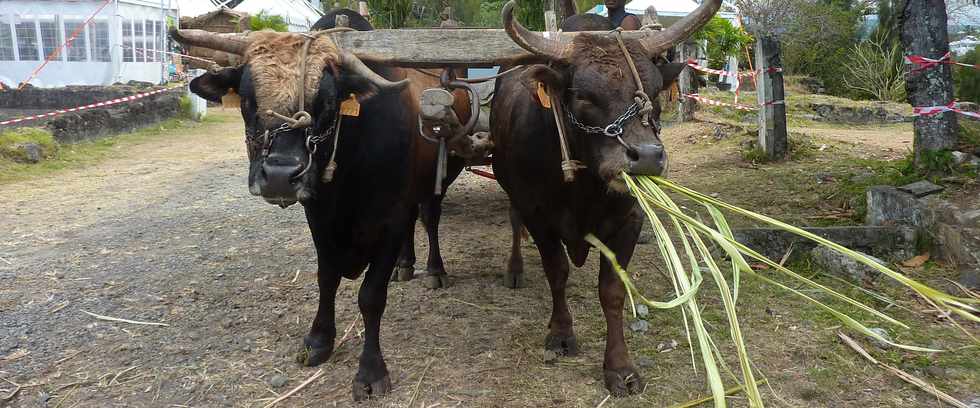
(613, 130)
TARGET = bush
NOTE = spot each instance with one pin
(967, 81)
(876, 70)
(12, 140)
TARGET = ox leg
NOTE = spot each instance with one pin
(318, 344)
(561, 337)
(431, 213)
(405, 270)
(372, 374)
(619, 374)
(514, 276)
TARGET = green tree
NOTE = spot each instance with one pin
(723, 40)
(390, 13)
(818, 41)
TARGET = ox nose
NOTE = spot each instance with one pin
(647, 159)
(278, 172)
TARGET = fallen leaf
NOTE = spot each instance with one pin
(15, 355)
(916, 261)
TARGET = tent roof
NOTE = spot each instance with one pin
(193, 8)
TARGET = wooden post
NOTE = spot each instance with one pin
(924, 33)
(772, 110)
(687, 82)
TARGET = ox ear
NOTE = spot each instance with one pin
(541, 74)
(670, 72)
(215, 84)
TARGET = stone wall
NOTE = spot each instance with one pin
(92, 123)
(951, 229)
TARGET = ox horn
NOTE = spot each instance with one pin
(532, 42)
(353, 64)
(658, 42)
(234, 43)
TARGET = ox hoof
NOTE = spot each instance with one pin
(514, 280)
(363, 390)
(623, 382)
(403, 274)
(437, 281)
(561, 345)
(314, 352)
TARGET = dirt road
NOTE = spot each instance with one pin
(167, 233)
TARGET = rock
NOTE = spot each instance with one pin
(278, 380)
(960, 158)
(888, 205)
(970, 278)
(883, 333)
(936, 372)
(32, 152)
(549, 356)
(890, 242)
(974, 403)
(646, 234)
(667, 346)
(644, 362)
(642, 310)
(839, 264)
(640, 326)
(921, 188)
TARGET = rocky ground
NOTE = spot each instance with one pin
(165, 232)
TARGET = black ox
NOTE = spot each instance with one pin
(362, 216)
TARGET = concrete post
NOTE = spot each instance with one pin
(772, 110)
(687, 82)
(199, 106)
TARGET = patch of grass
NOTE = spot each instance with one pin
(85, 153)
(12, 140)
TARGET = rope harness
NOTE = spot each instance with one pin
(642, 107)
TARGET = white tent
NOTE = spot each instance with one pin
(299, 14)
(194, 8)
(668, 10)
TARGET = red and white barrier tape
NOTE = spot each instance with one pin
(713, 102)
(90, 106)
(935, 110)
(693, 64)
(78, 30)
(925, 63)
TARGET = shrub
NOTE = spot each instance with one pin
(263, 21)
(876, 70)
(723, 40)
(11, 140)
(817, 42)
(967, 80)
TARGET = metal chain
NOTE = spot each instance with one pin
(614, 129)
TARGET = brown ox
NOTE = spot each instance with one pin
(590, 78)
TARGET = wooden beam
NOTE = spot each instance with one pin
(436, 48)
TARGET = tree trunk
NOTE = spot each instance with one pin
(687, 82)
(924, 33)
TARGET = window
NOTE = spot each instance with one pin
(151, 55)
(99, 34)
(78, 48)
(27, 41)
(6, 42)
(127, 45)
(161, 40)
(138, 41)
(50, 37)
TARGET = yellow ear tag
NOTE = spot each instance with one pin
(231, 100)
(350, 107)
(543, 96)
